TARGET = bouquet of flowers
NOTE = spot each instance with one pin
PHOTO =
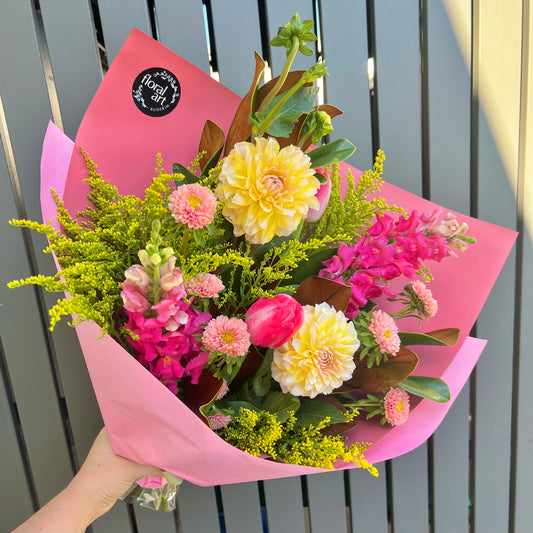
(257, 308)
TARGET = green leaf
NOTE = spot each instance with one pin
(334, 152)
(310, 267)
(314, 411)
(280, 403)
(263, 377)
(212, 162)
(441, 337)
(237, 404)
(302, 101)
(321, 178)
(172, 478)
(431, 388)
(188, 176)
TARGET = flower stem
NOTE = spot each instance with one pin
(283, 76)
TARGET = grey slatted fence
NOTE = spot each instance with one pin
(444, 87)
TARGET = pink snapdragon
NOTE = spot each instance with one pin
(193, 205)
(391, 248)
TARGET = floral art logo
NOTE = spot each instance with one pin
(156, 92)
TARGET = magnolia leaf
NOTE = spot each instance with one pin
(315, 411)
(330, 153)
(301, 102)
(188, 176)
(249, 367)
(431, 388)
(310, 267)
(263, 378)
(280, 403)
(211, 142)
(198, 398)
(441, 337)
(315, 290)
(384, 376)
(337, 428)
(292, 79)
(240, 128)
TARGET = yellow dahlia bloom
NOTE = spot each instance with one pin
(268, 190)
(319, 357)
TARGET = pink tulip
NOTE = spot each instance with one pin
(273, 321)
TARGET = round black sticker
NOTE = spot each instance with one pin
(156, 91)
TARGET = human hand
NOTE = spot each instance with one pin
(103, 478)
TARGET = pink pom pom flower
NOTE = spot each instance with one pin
(227, 335)
(396, 406)
(193, 205)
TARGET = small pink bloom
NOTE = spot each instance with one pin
(426, 297)
(133, 297)
(447, 227)
(396, 406)
(193, 205)
(323, 194)
(219, 421)
(227, 335)
(138, 275)
(273, 321)
(204, 286)
(385, 332)
(223, 390)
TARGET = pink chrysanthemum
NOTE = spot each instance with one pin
(219, 421)
(227, 335)
(396, 406)
(204, 286)
(426, 297)
(193, 205)
(385, 332)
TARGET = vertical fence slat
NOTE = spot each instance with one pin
(327, 502)
(27, 112)
(198, 509)
(346, 53)
(15, 502)
(242, 511)
(73, 55)
(523, 510)
(235, 55)
(449, 141)
(398, 77)
(279, 13)
(118, 20)
(499, 78)
(284, 505)
(410, 492)
(181, 28)
(369, 501)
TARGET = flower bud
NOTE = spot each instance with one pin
(273, 321)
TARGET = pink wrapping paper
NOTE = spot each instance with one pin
(146, 422)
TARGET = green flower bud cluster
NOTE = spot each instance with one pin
(296, 33)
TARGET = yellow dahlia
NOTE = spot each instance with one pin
(319, 357)
(268, 190)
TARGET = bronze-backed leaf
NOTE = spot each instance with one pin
(448, 336)
(293, 78)
(240, 128)
(331, 110)
(249, 367)
(378, 378)
(211, 141)
(340, 427)
(315, 290)
(196, 396)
